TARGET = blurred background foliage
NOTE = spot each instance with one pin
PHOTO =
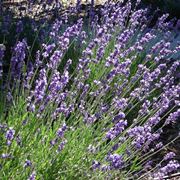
(168, 6)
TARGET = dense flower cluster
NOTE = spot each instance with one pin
(94, 99)
(172, 166)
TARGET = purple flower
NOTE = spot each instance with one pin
(169, 156)
(40, 87)
(116, 129)
(173, 117)
(27, 163)
(142, 135)
(89, 119)
(53, 142)
(118, 117)
(2, 50)
(105, 167)
(115, 147)
(171, 167)
(117, 45)
(95, 165)
(120, 103)
(148, 165)
(144, 109)
(28, 75)
(60, 132)
(63, 108)
(116, 161)
(55, 59)
(62, 145)
(10, 135)
(32, 176)
(162, 24)
(38, 62)
(48, 50)
(56, 85)
(55, 28)
(17, 60)
(153, 120)
(159, 145)
(5, 156)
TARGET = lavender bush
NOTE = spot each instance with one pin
(92, 102)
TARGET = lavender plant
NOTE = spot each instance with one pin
(98, 113)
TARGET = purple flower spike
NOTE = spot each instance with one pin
(17, 61)
(116, 130)
(27, 163)
(61, 131)
(10, 134)
(32, 176)
(118, 117)
(169, 156)
(62, 145)
(173, 117)
(95, 165)
(116, 161)
(171, 167)
(2, 50)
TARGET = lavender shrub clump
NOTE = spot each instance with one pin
(95, 99)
